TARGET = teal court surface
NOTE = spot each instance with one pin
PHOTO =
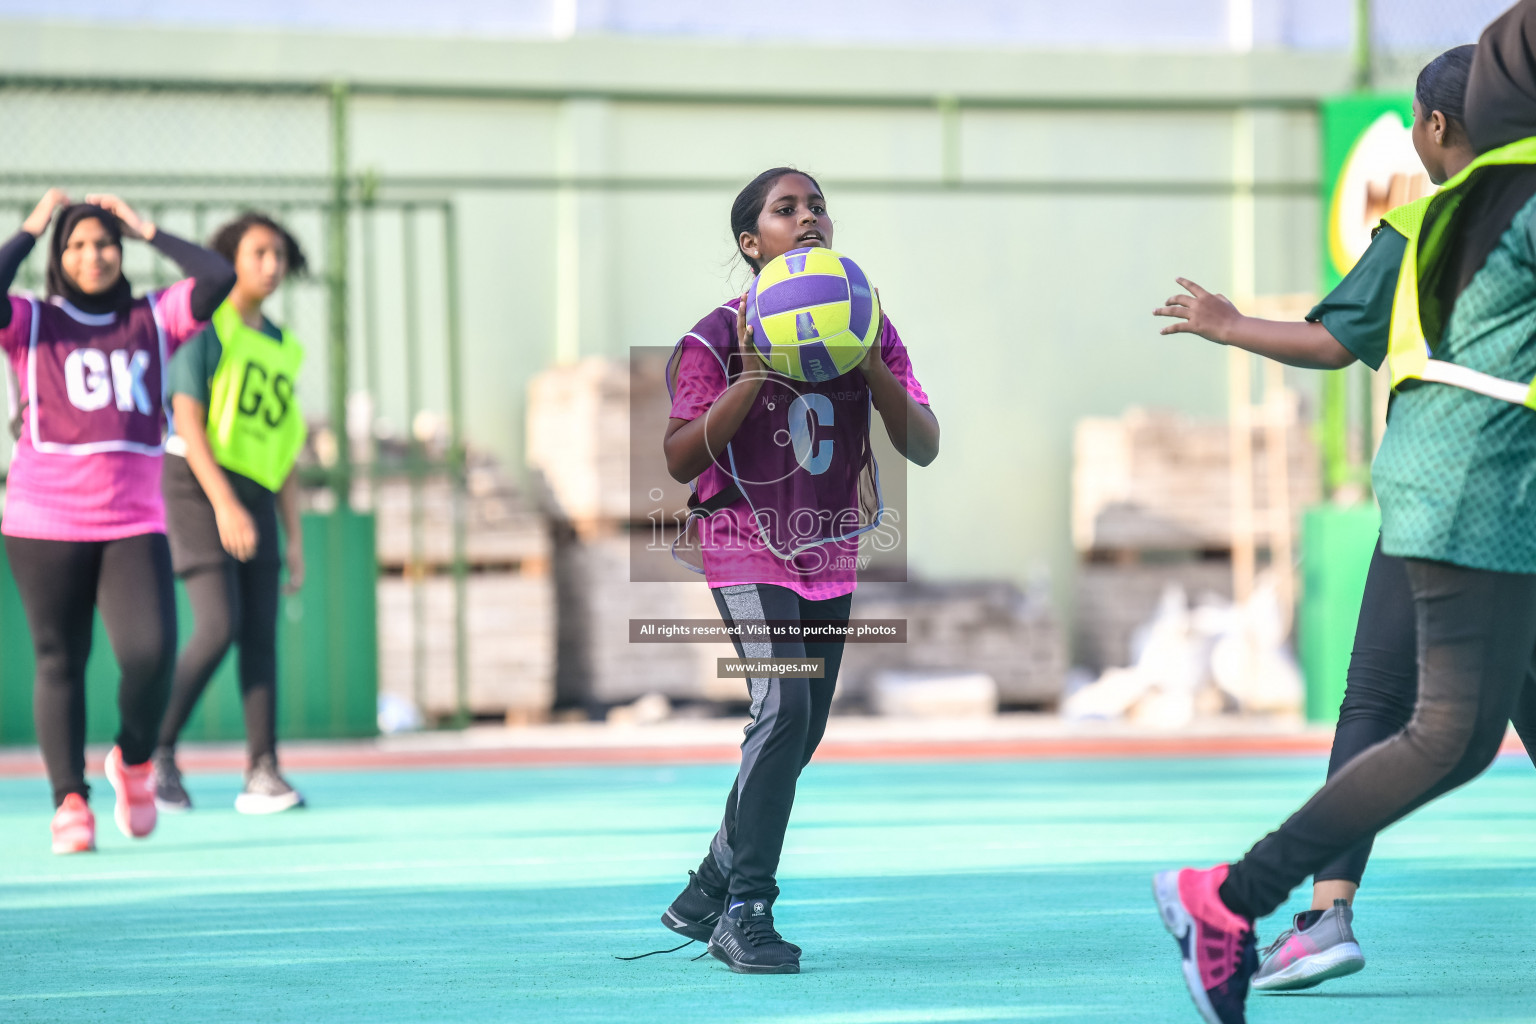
(938, 891)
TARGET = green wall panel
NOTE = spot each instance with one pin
(327, 647)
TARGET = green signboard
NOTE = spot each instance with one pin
(1369, 167)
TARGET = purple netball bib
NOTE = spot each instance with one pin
(800, 456)
(94, 383)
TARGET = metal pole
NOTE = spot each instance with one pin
(415, 568)
(341, 479)
(1365, 72)
(949, 132)
(370, 300)
(1335, 432)
(457, 468)
(1240, 364)
(157, 266)
(285, 218)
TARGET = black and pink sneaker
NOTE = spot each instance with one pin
(1217, 945)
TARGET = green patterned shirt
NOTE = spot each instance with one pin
(1456, 474)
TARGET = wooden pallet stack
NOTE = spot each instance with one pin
(594, 438)
(598, 595)
(987, 627)
(509, 598)
(1161, 499)
(594, 441)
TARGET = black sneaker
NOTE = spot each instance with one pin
(170, 795)
(745, 940)
(694, 913)
(266, 792)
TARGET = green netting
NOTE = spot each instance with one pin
(988, 892)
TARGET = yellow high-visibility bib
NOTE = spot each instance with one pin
(255, 426)
(1408, 352)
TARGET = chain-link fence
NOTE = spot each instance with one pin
(1401, 36)
(461, 240)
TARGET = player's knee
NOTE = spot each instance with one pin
(1377, 696)
(148, 661)
(58, 666)
(213, 635)
(1444, 736)
(794, 710)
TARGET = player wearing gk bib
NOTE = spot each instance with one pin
(229, 475)
(1353, 322)
(1452, 477)
(779, 468)
(84, 524)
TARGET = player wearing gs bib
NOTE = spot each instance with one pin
(84, 523)
(1353, 322)
(778, 466)
(228, 479)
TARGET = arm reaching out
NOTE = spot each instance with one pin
(1213, 317)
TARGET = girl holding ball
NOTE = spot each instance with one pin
(727, 435)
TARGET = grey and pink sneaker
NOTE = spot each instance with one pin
(1319, 946)
(1216, 945)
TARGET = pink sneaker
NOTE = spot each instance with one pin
(74, 826)
(135, 785)
(1217, 945)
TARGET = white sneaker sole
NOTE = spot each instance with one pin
(253, 803)
(1334, 962)
(1165, 889)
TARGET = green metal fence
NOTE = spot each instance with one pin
(293, 158)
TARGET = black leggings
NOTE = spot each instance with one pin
(1382, 686)
(235, 602)
(789, 717)
(62, 584)
(1476, 644)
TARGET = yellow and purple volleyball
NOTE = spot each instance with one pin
(813, 314)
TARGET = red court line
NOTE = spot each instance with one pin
(366, 757)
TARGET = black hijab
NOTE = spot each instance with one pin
(1501, 90)
(114, 299)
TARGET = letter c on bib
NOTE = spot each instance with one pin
(805, 413)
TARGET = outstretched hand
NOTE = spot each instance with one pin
(133, 225)
(1207, 314)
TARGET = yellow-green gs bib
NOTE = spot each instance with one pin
(255, 426)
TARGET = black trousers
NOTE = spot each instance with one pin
(233, 603)
(62, 584)
(789, 717)
(1476, 646)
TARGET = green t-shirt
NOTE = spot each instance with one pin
(194, 364)
(1456, 474)
(1358, 313)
